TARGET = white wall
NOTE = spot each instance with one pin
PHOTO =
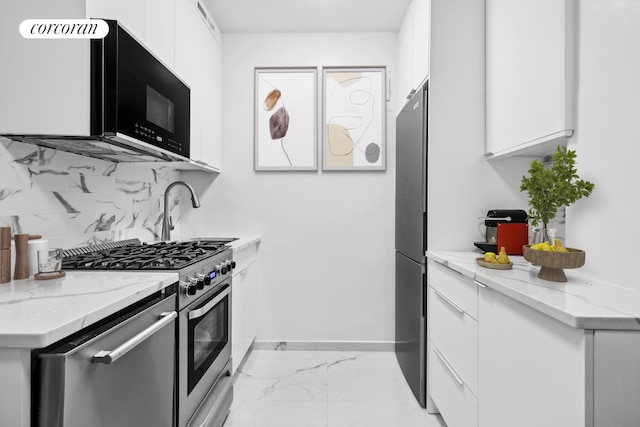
(328, 238)
(607, 139)
(462, 184)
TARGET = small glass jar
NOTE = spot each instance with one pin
(50, 261)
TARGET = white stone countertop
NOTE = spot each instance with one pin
(244, 242)
(37, 313)
(583, 301)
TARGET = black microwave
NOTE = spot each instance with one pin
(136, 98)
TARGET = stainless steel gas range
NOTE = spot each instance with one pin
(203, 387)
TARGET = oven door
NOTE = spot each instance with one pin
(205, 349)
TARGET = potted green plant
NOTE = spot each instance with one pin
(552, 188)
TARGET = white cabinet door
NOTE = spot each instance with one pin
(616, 378)
(211, 123)
(197, 61)
(243, 316)
(420, 35)
(150, 21)
(413, 47)
(529, 62)
(244, 306)
(532, 368)
(457, 405)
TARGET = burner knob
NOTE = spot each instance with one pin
(221, 268)
(184, 288)
(191, 290)
(193, 285)
(200, 282)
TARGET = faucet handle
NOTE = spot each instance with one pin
(171, 227)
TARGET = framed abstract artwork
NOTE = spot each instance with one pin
(285, 119)
(354, 118)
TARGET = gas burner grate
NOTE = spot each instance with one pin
(132, 255)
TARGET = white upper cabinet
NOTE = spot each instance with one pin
(413, 47)
(529, 75)
(150, 21)
(198, 63)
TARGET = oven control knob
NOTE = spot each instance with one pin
(184, 288)
(221, 268)
(229, 265)
(191, 290)
(200, 282)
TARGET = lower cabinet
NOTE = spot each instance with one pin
(453, 345)
(244, 304)
(455, 402)
(533, 370)
(616, 379)
(495, 362)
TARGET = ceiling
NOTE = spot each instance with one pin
(307, 16)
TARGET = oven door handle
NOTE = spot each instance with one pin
(108, 357)
(206, 308)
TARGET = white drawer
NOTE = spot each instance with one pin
(455, 334)
(457, 288)
(244, 257)
(458, 407)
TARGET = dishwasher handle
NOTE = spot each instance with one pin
(108, 357)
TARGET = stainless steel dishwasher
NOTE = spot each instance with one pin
(120, 373)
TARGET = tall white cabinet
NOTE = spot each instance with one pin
(529, 75)
(198, 56)
(413, 47)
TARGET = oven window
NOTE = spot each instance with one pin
(160, 110)
(208, 335)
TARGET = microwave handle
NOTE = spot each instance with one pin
(206, 308)
(108, 357)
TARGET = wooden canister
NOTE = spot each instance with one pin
(21, 270)
(5, 265)
(5, 237)
(5, 254)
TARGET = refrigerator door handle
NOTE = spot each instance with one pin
(424, 293)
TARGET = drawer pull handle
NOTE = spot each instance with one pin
(448, 301)
(482, 285)
(449, 368)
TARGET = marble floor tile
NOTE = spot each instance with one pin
(324, 388)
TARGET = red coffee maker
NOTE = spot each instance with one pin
(508, 228)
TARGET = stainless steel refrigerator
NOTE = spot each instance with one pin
(411, 241)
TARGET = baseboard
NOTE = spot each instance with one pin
(324, 345)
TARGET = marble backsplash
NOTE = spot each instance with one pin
(74, 200)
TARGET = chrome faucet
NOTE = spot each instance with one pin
(167, 226)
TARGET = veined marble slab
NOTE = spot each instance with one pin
(37, 313)
(584, 301)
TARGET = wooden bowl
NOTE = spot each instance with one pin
(481, 262)
(552, 263)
